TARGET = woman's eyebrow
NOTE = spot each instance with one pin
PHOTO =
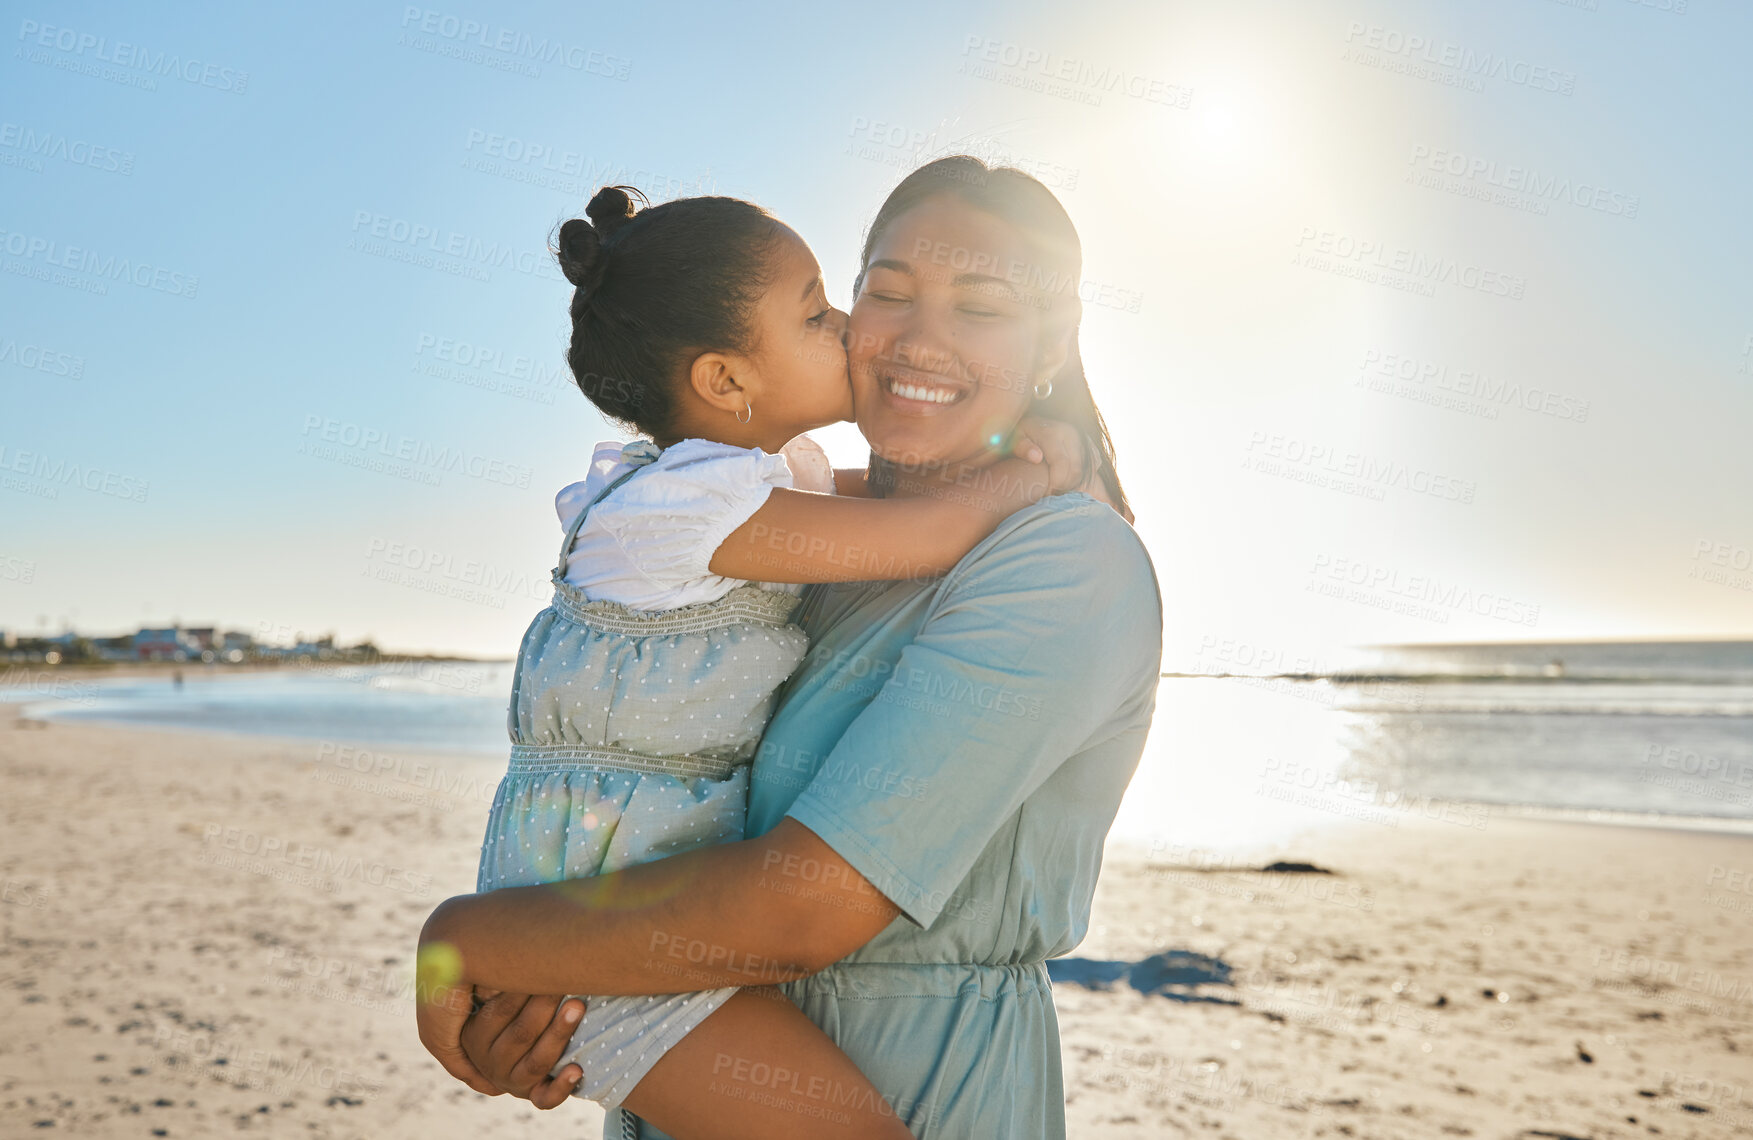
(809, 290)
(966, 279)
(961, 280)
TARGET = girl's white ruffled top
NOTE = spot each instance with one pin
(647, 545)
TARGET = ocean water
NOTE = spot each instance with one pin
(1652, 733)
(1659, 729)
(449, 706)
(1631, 732)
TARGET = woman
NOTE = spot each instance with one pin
(930, 800)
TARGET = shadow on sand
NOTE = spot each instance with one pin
(1174, 974)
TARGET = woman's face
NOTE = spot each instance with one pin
(945, 342)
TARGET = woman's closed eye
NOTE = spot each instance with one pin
(819, 317)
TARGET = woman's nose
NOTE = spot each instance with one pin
(916, 352)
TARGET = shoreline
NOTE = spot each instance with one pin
(1605, 817)
(125, 669)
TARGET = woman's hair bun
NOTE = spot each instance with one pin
(582, 253)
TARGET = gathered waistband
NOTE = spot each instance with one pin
(547, 759)
(741, 606)
(928, 979)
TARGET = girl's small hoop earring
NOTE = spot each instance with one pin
(751, 410)
(1039, 393)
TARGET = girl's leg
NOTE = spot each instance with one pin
(757, 1068)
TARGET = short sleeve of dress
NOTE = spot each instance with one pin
(671, 519)
(1040, 645)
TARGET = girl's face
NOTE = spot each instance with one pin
(945, 340)
(799, 352)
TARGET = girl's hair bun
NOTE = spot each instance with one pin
(581, 254)
(582, 251)
(612, 208)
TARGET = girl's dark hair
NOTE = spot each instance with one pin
(1021, 200)
(654, 289)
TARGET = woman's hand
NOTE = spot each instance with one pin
(491, 1041)
(516, 1039)
(442, 1004)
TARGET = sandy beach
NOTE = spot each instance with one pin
(205, 935)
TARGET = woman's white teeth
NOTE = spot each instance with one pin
(915, 392)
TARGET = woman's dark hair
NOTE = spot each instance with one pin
(654, 289)
(1021, 200)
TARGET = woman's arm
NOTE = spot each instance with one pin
(769, 909)
(780, 906)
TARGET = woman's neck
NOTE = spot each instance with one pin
(937, 480)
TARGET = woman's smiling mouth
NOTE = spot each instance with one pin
(910, 390)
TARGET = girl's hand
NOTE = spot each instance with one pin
(1057, 444)
(1022, 444)
(516, 1039)
(1073, 460)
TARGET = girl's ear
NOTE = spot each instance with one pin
(712, 376)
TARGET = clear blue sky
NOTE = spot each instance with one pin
(1522, 226)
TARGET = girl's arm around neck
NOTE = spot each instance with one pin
(801, 536)
(781, 906)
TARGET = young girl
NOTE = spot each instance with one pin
(641, 693)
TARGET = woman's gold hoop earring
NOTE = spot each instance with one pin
(1039, 393)
(751, 410)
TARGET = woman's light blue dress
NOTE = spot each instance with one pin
(964, 742)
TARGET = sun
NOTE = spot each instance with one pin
(1217, 120)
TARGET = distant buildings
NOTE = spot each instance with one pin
(208, 644)
(164, 645)
(114, 648)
